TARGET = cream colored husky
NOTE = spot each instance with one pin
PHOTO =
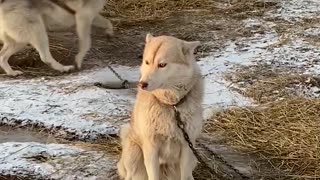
(153, 145)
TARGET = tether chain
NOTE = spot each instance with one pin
(125, 83)
(181, 126)
(115, 73)
(221, 159)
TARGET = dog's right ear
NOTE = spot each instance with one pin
(189, 47)
(148, 38)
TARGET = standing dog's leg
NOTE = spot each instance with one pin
(187, 163)
(39, 40)
(8, 49)
(83, 22)
(151, 161)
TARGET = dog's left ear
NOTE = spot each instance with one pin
(189, 47)
(148, 38)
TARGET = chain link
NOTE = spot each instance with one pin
(181, 126)
(222, 160)
(124, 83)
(115, 73)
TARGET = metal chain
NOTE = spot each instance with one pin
(115, 72)
(125, 83)
(222, 160)
(181, 126)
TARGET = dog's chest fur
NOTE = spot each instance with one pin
(152, 117)
(157, 121)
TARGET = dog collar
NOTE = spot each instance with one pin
(182, 100)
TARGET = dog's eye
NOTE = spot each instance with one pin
(162, 65)
(147, 62)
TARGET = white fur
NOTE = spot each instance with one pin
(25, 22)
(153, 146)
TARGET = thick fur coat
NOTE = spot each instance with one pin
(153, 145)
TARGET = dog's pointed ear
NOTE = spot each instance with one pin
(148, 38)
(189, 47)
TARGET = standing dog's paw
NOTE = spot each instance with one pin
(14, 73)
(78, 65)
(67, 68)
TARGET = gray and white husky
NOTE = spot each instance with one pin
(24, 22)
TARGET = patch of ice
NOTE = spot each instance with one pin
(252, 23)
(297, 54)
(52, 161)
(314, 31)
(297, 10)
(306, 91)
(217, 92)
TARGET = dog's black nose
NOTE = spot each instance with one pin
(143, 85)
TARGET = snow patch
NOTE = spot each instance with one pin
(52, 161)
(297, 10)
(244, 51)
(311, 32)
(297, 54)
(71, 105)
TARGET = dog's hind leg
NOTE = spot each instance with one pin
(83, 22)
(39, 40)
(102, 22)
(187, 163)
(8, 49)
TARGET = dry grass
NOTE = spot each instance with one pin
(136, 10)
(160, 9)
(284, 133)
(266, 84)
(111, 146)
(242, 9)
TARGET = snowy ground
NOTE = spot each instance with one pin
(72, 107)
(75, 107)
(53, 161)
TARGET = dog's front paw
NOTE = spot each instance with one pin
(66, 68)
(78, 65)
(14, 73)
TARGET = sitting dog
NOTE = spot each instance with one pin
(154, 147)
(24, 22)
